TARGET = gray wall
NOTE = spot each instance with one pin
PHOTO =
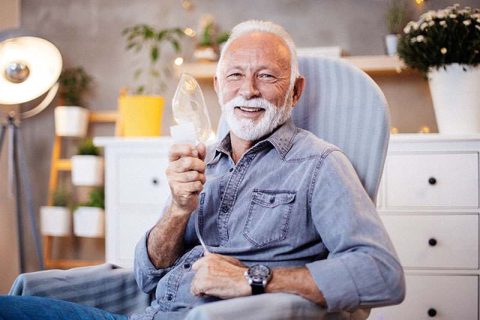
(88, 33)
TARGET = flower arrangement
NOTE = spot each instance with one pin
(442, 37)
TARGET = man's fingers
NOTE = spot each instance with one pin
(178, 151)
(202, 151)
(189, 176)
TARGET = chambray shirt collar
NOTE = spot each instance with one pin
(281, 139)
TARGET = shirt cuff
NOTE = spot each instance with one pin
(336, 284)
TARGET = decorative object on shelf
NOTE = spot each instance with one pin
(141, 111)
(444, 45)
(87, 165)
(71, 118)
(396, 18)
(210, 40)
(89, 217)
(30, 67)
(56, 220)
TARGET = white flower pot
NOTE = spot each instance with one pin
(55, 221)
(71, 121)
(89, 222)
(391, 43)
(87, 170)
(456, 98)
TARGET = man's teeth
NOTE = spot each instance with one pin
(250, 109)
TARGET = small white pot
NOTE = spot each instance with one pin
(456, 98)
(87, 170)
(71, 121)
(55, 221)
(391, 43)
(89, 222)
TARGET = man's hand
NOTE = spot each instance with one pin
(185, 175)
(220, 276)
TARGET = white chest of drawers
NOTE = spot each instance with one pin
(136, 191)
(429, 203)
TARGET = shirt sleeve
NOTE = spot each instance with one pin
(362, 268)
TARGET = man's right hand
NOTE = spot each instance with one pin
(186, 176)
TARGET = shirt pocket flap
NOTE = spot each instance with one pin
(272, 199)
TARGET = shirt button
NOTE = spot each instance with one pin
(186, 266)
(272, 200)
(225, 209)
(231, 170)
(169, 297)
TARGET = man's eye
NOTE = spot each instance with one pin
(266, 76)
(235, 75)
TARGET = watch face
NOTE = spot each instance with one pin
(259, 273)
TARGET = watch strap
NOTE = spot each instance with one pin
(257, 288)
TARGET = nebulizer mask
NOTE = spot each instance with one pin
(193, 123)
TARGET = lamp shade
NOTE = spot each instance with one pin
(29, 67)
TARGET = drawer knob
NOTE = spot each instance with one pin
(432, 181)
(432, 242)
(432, 312)
(155, 181)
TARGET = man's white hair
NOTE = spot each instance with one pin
(263, 26)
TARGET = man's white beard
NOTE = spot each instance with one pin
(253, 130)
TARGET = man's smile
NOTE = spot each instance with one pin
(249, 112)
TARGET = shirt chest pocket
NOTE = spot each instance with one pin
(268, 216)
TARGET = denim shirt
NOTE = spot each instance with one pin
(291, 200)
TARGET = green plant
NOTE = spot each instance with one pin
(396, 16)
(60, 198)
(74, 82)
(96, 199)
(440, 38)
(87, 148)
(210, 37)
(146, 40)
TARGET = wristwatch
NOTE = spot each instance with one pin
(258, 276)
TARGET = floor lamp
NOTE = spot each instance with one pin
(29, 69)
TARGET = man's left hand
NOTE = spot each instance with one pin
(220, 276)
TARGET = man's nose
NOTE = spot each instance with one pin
(249, 89)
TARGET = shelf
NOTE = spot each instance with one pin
(370, 64)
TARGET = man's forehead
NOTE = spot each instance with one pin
(260, 44)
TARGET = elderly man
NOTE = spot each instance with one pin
(278, 209)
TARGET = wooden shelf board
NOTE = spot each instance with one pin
(64, 164)
(106, 116)
(370, 64)
(70, 263)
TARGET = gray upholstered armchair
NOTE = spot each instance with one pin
(342, 105)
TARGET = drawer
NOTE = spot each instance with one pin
(142, 179)
(434, 297)
(440, 241)
(432, 180)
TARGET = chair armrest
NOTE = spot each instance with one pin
(270, 306)
(104, 286)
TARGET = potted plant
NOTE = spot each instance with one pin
(87, 165)
(141, 111)
(396, 18)
(89, 217)
(71, 118)
(444, 45)
(56, 220)
(208, 46)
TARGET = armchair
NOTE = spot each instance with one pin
(340, 104)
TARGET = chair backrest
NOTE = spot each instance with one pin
(342, 105)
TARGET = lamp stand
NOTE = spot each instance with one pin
(18, 180)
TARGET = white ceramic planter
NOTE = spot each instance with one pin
(391, 43)
(87, 170)
(456, 99)
(89, 222)
(55, 221)
(71, 121)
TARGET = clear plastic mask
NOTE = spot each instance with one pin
(190, 112)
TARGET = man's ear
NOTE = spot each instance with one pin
(298, 89)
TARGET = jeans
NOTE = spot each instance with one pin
(31, 307)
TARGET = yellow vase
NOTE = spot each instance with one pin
(140, 116)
